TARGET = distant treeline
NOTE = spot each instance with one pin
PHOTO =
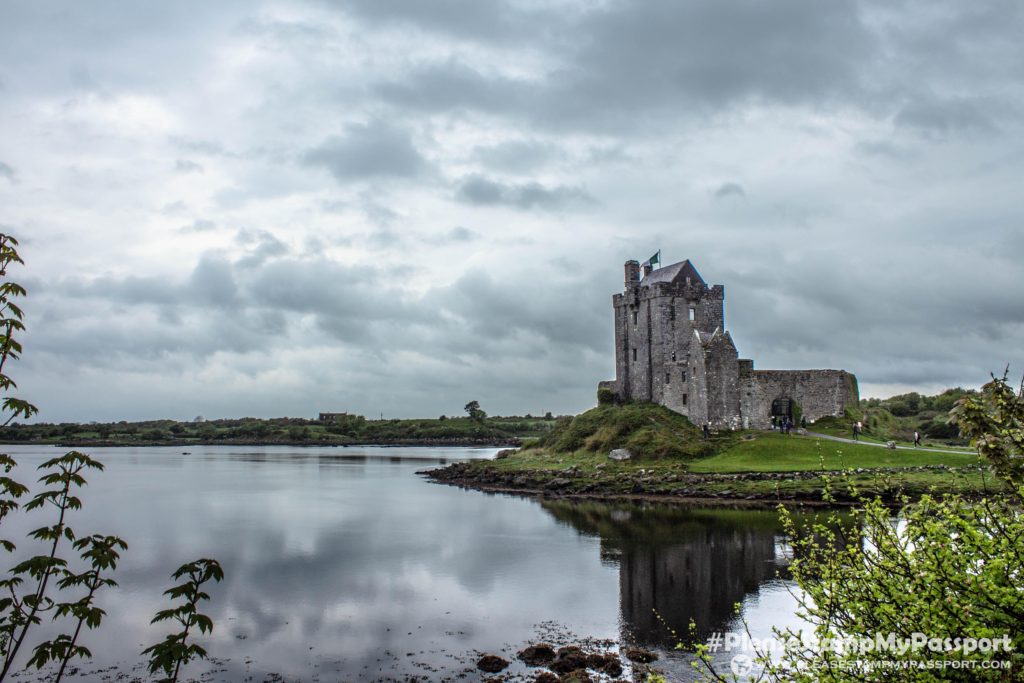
(341, 430)
(898, 417)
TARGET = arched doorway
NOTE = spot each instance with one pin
(782, 407)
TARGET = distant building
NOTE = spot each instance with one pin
(332, 417)
(672, 348)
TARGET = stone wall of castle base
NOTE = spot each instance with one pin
(819, 393)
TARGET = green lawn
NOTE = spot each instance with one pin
(773, 452)
(833, 427)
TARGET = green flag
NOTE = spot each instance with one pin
(654, 259)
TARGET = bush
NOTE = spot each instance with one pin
(605, 396)
(950, 569)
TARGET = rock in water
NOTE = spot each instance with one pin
(620, 454)
(636, 654)
(492, 664)
(605, 663)
(569, 659)
(577, 676)
(540, 654)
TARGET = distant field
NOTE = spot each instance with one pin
(773, 452)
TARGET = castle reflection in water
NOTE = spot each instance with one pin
(680, 563)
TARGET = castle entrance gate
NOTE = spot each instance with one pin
(782, 407)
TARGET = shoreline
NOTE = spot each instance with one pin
(739, 489)
(409, 443)
(660, 498)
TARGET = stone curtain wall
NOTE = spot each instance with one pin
(819, 392)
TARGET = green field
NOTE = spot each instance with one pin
(671, 458)
(774, 452)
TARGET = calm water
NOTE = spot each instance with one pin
(344, 564)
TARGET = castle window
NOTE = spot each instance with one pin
(684, 399)
(634, 353)
(684, 375)
(634, 317)
(668, 378)
(673, 356)
(693, 314)
(672, 312)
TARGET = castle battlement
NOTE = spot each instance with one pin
(672, 348)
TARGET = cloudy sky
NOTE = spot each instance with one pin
(279, 207)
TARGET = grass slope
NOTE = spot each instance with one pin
(774, 452)
(647, 430)
(671, 458)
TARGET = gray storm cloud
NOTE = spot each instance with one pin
(273, 207)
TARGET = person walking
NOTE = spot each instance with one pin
(707, 430)
(856, 431)
(917, 439)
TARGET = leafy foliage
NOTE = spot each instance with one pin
(10, 322)
(898, 417)
(25, 589)
(101, 553)
(994, 420)
(175, 650)
(475, 412)
(946, 567)
(19, 612)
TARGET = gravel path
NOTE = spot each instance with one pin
(840, 439)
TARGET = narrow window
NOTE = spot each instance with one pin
(684, 375)
(693, 314)
(672, 312)
(668, 378)
(684, 399)
(687, 279)
(634, 317)
(673, 356)
(634, 353)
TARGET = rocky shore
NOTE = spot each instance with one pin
(752, 488)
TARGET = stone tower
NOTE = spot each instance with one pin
(672, 348)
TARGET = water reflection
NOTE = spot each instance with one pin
(343, 563)
(683, 564)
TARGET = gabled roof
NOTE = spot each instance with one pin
(677, 272)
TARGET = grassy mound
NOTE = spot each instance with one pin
(647, 430)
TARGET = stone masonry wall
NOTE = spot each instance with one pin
(660, 357)
(723, 383)
(654, 341)
(819, 392)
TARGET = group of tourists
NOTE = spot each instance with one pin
(858, 428)
(784, 424)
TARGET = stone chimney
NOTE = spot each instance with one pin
(632, 273)
(647, 269)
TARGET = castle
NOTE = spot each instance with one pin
(672, 348)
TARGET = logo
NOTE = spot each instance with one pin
(741, 665)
